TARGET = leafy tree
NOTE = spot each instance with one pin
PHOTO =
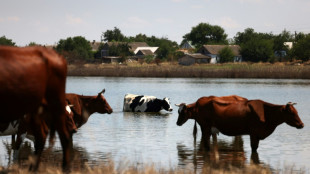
(226, 55)
(255, 46)
(121, 49)
(301, 49)
(6, 41)
(33, 44)
(76, 48)
(279, 40)
(113, 35)
(256, 50)
(205, 33)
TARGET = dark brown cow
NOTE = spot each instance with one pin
(84, 106)
(29, 76)
(250, 117)
(81, 109)
(22, 129)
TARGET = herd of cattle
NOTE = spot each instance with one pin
(34, 103)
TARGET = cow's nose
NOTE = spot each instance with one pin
(110, 111)
(170, 109)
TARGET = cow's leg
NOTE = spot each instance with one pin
(206, 134)
(40, 131)
(66, 143)
(254, 143)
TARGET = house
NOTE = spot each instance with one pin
(213, 52)
(190, 59)
(111, 59)
(132, 46)
(94, 45)
(143, 53)
(153, 49)
(187, 47)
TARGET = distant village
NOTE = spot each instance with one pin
(204, 55)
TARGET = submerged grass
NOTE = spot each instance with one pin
(229, 70)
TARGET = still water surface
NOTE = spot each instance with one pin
(155, 138)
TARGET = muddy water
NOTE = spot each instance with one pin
(142, 138)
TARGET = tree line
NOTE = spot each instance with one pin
(254, 46)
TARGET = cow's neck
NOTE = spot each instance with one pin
(273, 119)
(86, 106)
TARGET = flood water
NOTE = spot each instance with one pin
(142, 138)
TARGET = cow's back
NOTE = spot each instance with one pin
(27, 76)
(135, 103)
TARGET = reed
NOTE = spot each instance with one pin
(238, 70)
(110, 168)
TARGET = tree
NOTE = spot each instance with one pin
(256, 50)
(76, 48)
(33, 44)
(120, 49)
(301, 49)
(113, 35)
(5, 41)
(226, 55)
(205, 33)
(255, 46)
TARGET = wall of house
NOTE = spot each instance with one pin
(186, 61)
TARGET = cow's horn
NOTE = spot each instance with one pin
(102, 92)
(179, 105)
(290, 103)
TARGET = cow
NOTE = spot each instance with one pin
(84, 106)
(143, 103)
(78, 109)
(249, 117)
(22, 130)
(29, 76)
(230, 98)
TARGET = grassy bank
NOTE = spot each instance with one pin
(238, 70)
(110, 168)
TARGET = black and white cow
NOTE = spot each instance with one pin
(143, 103)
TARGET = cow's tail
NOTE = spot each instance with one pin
(195, 129)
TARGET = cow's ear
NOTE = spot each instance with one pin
(257, 107)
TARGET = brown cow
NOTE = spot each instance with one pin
(22, 129)
(223, 99)
(84, 106)
(29, 76)
(81, 109)
(250, 117)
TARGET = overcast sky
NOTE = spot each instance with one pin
(48, 21)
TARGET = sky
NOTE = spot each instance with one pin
(45, 22)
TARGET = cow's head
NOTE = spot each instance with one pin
(99, 104)
(166, 104)
(291, 116)
(184, 114)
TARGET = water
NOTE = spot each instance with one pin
(142, 138)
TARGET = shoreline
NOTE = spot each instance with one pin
(173, 70)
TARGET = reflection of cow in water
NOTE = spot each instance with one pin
(222, 154)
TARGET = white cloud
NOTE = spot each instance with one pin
(178, 0)
(10, 19)
(164, 20)
(13, 18)
(74, 20)
(227, 22)
(136, 22)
